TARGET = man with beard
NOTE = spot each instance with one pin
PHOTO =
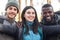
(49, 23)
(8, 29)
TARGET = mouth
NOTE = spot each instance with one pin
(11, 14)
(48, 18)
(31, 18)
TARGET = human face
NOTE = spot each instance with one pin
(11, 12)
(29, 15)
(47, 13)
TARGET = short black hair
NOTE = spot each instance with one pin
(47, 5)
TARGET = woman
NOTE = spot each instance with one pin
(30, 24)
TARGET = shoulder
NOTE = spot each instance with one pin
(58, 19)
(2, 18)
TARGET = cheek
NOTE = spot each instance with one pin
(26, 16)
(8, 11)
(7, 14)
(52, 14)
(15, 14)
(34, 16)
(43, 15)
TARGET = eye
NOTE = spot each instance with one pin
(10, 8)
(15, 9)
(28, 12)
(44, 12)
(50, 12)
(33, 12)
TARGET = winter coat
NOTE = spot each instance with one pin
(8, 31)
(51, 31)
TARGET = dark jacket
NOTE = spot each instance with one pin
(20, 31)
(51, 31)
(8, 31)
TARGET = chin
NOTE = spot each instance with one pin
(31, 20)
(11, 17)
(48, 20)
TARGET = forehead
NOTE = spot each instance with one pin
(12, 7)
(30, 10)
(47, 9)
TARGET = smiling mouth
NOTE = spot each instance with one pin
(48, 17)
(12, 14)
(30, 17)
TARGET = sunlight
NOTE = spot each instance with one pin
(37, 4)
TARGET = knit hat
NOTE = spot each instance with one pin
(12, 3)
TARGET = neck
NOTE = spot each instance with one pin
(29, 23)
(10, 19)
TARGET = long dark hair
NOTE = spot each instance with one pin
(34, 25)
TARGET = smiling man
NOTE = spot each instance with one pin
(50, 23)
(48, 14)
(8, 29)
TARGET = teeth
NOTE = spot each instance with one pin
(31, 18)
(48, 17)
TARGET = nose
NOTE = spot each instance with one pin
(31, 14)
(12, 10)
(47, 14)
